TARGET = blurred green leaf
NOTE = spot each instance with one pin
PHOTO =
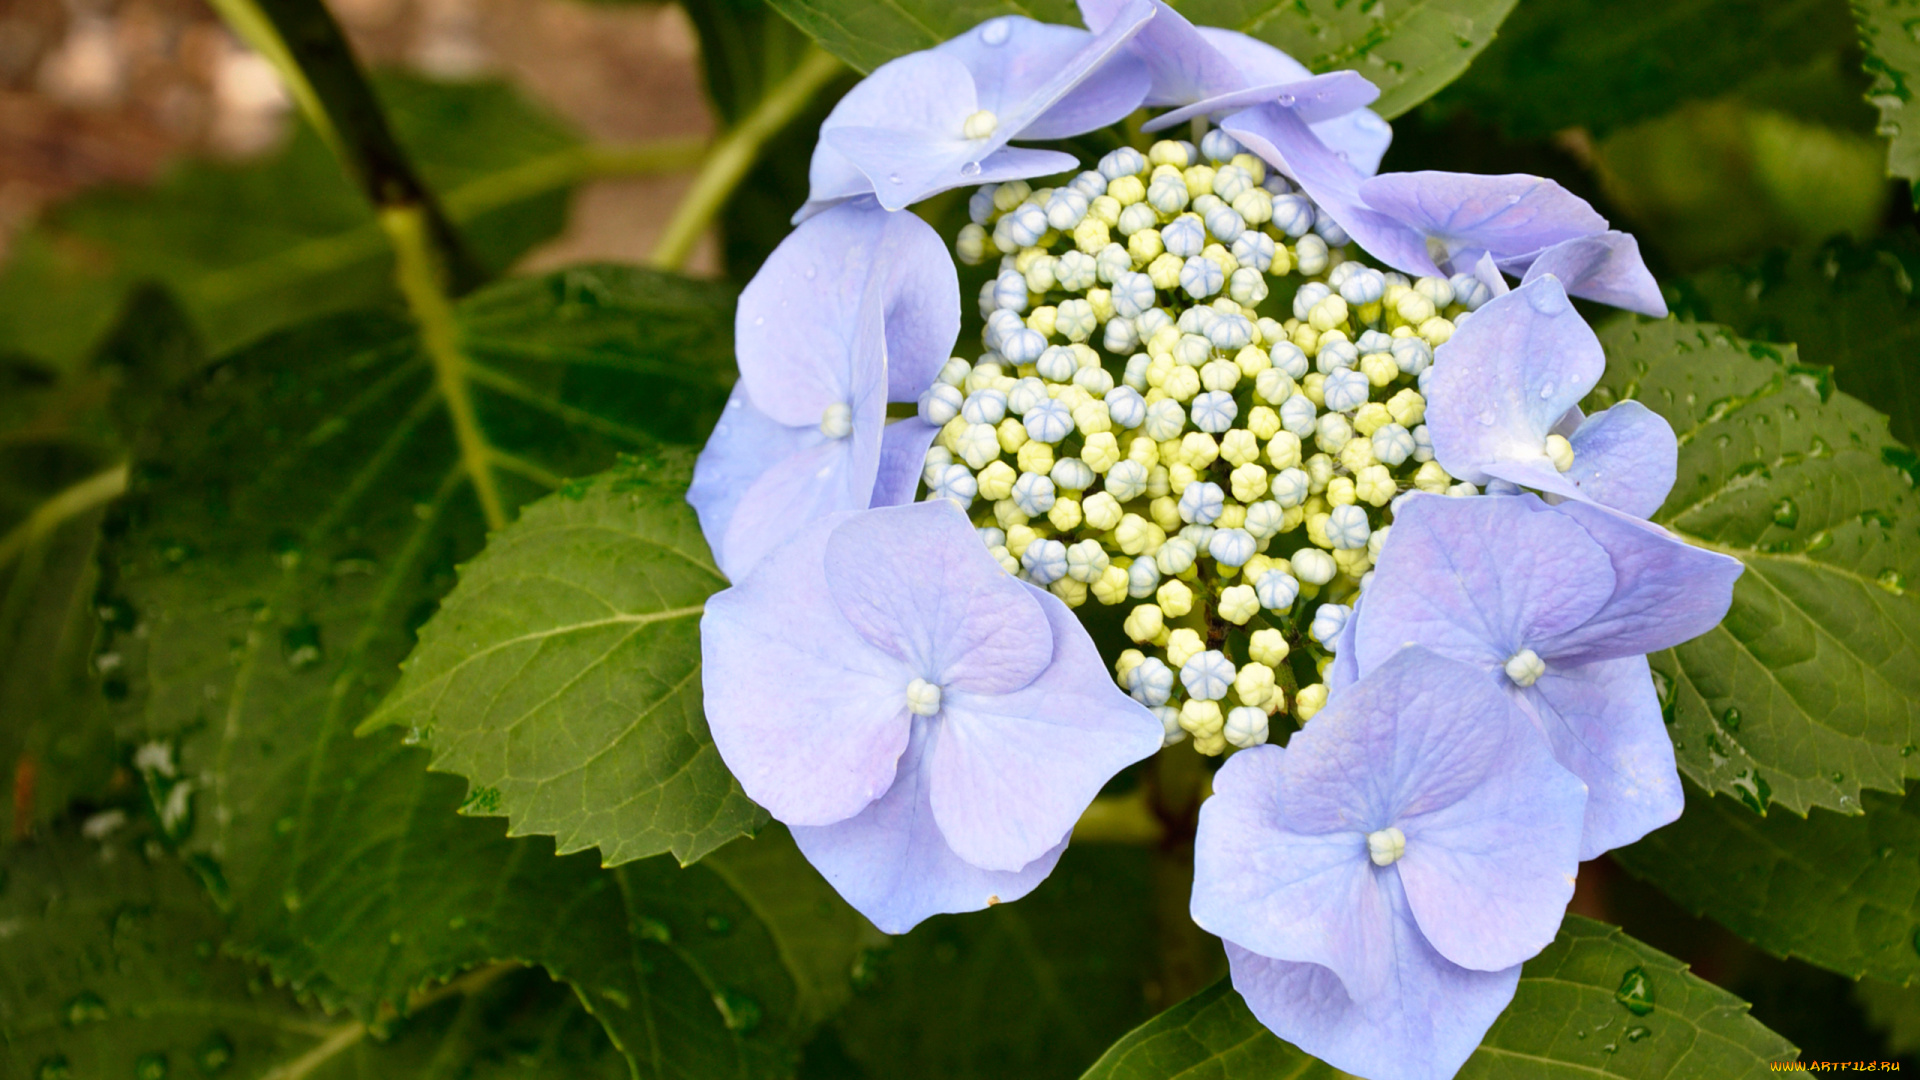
(562, 675)
(112, 967)
(250, 248)
(1567, 1019)
(299, 511)
(1809, 690)
(1765, 878)
(868, 33)
(1893, 1009)
(1604, 64)
(1890, 34)
(1033, 989)
(1848, 304)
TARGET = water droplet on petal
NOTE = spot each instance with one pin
(812, 273)
(971, 168)
(1548, 300)
(1285, 101)
(1485, 418)
(995, 32)
(893, 178)
(1546, 390)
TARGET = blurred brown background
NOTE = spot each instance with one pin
(111, 91)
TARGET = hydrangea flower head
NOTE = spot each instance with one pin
(939, 119)
(1557, 606)
(1504, 404)
(1379, 880)
(930, 727)
(856, 308)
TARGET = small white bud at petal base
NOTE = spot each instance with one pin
(923, 698)
(1560, 452)
(837, 421)
(980, 125)
(1386, 846)
(1525, 668)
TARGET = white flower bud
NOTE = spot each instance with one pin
(1072, 474)
(1218, 146)
(1246, 726)
(1392, 444)
(1264, 519)
(1127, 480)
(1225, 223)
(1214, 411)
(1207, 675)
(1328, 621)
(1076, 271)
(1254, 252)
(1033, 494)
(1469, 291)
(1313, 566)
(1525, 667)
(923, 698)
(1347, 528)
(1057, 364)
(1026, 224)
(1298, 415)
(1276, 590)
(1075, 320)
(1560, 452)
(1066, 207)
(1310, 255)
(1167, 194)
(1133, 294)
(1345, 389)
(1144, 624)
(1185, 236)
(1293, 215)
(1125, 161)
(1086, 561)
(954, 372)
(1290, 487)
(940, 403)
(1023, 346)
(1175, 556)
(1331, 432)
(978, 445)
(958, 485)
(1048, 421)
(1329, 229)
(1113, 262)
(1232, 547)
(1045, 561)
(1200, 504)
(1201, 277)
(1386, 846)
(1143, 579)
(984, 407)
(1422, 444)
(980, 205)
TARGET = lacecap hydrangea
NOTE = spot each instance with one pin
(1291, 427)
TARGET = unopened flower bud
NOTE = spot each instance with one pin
(1045, 561)
(1313, 566)
(1309, 701)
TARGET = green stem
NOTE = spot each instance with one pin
(734, 154)
(96, 490)
(422, 281)
(304, 43)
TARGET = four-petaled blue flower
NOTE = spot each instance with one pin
(1558, 605)
(929, 727)
(1503, 402)
(856, 308)
(1379, 880)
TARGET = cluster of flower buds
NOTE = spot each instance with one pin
(1139, 435)
(1289, 425)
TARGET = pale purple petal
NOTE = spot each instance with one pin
(1424, 1028)
(1345, 669)
(1025, 70)
(903, 452)
(1285, 141)
(1505, 377)
(1604, 722)
(1489, 870)
(1359, 138)
(920, 294)
(1666, 591)
(823, 478)
(893, 865)
(1257, 61)
(916, 582)
(1605, 267)
(744, 443)
(903, 172)
(1480, 579)
(803, 334)
(808, 716)
(1012, 772)
(1625, 457)
(1311, 897)
(1489, 274)
(1181, 65)
(1511, 216)
(1314, 100)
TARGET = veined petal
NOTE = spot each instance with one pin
(1025, 70)
(1182, 65)
(1605, 267)
(1479, 579)
(744, 444)
(892, 864)
(903, 450)
(1506, 376)
(1603, 720)
(1011, 772)
(904, 172)
(1625, 457)
(917, 584)
(1511, 216)
(1315, 99)
(919, 292)
(808, 715)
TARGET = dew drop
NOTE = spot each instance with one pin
(893, 178)
(1546, 391)
(300, 645)
(1285, 101)
(1636, 991)
(1908, 750)
(996, 32)
(214, 1054)
(1638, 1032)
(85, 1008)
(1610, 1048)
(1730, 719)
(971, 168)
(1485, 418)
(1886, 851)
(150, 1067)
(1839, 778)
(738, 1011)
(1548, 301)
(812, 273)
(1893, 581)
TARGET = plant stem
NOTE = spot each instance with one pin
(422, 281)
(96, 490)
(1190, 958)
(734, 154)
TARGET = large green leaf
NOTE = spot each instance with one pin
(299, 511)
(1595, 1003)
(1033, 989)
(249, 248)
(111, 967)
(1890, 33)
(1602, 64)
(1765, 879)
(1809, 690)
(1848, 304)
(1410, 51)
(562, 676)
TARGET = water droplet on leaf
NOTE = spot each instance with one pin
(1635, 992)
(1638, 1032)
(85, 1008)
(738, 1011)
(215, 1054)
(1786, 513)
(300, 646)
(1730, 719)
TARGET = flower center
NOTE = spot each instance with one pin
(923, 698)
(1386, 846)
(837, 421)
(1560, 452)
(980, 125)
(1525, 667)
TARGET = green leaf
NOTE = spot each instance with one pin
(1809, 690)
(111, 967)
(562, 676)
(1847, 303)
(1033, 989)
(1409, 51)
(303, 511)
(1762, 879)
(1603, 64)
(1888, 34)
(1893, 1009)
(251, 248)
(1595, 1002)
